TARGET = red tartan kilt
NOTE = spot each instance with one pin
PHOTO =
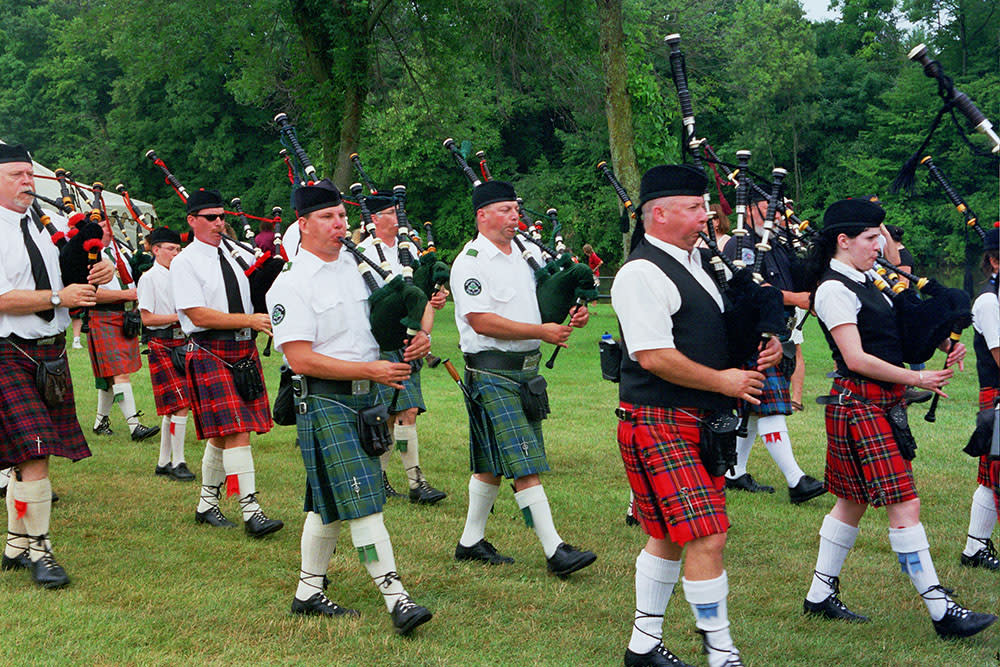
(986, 477)
(169, 386)
(863, 463)
(218, 409)
(674, 494)
(28, 428)
(111, 353)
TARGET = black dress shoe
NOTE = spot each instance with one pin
(164, 471)
(568, 559)
(630, 520)
(833, 608)
(104, 427)
(213, 516)
(3, 491)
(985, 558)
(658, 657)
(482, 551)
(181, 473)
(746, 482)
(425, 494)
(407, 615)
(961, 622)
(141, 432)
(18, 562)
(807, 489)
(259, 525)
(320, 605)
(389, 491)
(48, 573)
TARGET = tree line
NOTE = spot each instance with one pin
(546, 88)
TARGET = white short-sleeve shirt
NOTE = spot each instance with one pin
(15, 273)
(118, 281)
(485, 280)
(834, 303)
(155, 295)
(986, 318)
(324, 303)
(196, 282)
(367, 246)
(645, 299)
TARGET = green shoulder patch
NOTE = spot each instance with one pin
(472, 252)
(288, 265)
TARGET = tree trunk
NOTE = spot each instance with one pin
(617, 103)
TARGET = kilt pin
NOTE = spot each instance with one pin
(863, 463)
(675, 496)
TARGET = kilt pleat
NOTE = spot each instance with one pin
(514, 446)
(28, 428)
(218, 408)
(776, 399)
(111, 353)
(342, 481)
(989, 471)
(169, 386)
(675, 495)
(410, 396)
(863, 463)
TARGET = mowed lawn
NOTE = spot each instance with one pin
(151, 587)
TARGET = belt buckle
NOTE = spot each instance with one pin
(190, 346)
(299, 388)
(530, 362)
(46, 341)
(622, 414)
(178, 333)
(241, 334)
(128, 306)
(360, 387)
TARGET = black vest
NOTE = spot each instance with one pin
(877, 326)
(699, 334)
(986, 367)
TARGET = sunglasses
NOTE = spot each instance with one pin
(212, 217)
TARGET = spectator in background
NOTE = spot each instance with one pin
(594, 262)
(265, 237)
(720, 222)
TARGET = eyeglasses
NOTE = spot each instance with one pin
(212, 217)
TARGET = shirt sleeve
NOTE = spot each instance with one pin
(986, 319)
(145, 291)
(184, 285)
(469, 287)
(291, 317)
(645, 303)
(836, 305)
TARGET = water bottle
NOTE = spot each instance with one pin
(611, 358)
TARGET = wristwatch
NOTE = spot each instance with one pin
(55, 300)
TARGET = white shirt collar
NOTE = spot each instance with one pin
(680, 254)
(489, 249)
(10, 216)
(849, 271)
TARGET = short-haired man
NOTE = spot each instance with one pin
(319, 308)
(34, 315)
(500, 328)
(166, 353)
(212, 297)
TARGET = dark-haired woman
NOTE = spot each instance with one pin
(864, 465)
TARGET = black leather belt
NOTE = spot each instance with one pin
(494, 360)
(221, 334)
(343, 387)
(842, 396)
(169, 333)
(58, 339)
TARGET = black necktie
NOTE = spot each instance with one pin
(38, 271)
(232, 287)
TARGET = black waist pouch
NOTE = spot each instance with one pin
(246, 377)
(611, 360)
(982, 438)
(373, 430)
(718, 442)
(178, 357)
(900, 425)
(52, 381)
(131, 324)
(535, 398)
(284, 402)
(787, 364)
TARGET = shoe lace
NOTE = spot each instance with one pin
(939, 592)
(834, 584)
(210, 494)
(41, 543)
(386, 484)
(404, 603)
(640, 615)
(988, 547)
(249, 500)
(733, 655)
(306, 577)
(385, 580)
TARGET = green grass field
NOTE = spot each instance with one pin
(151, 587)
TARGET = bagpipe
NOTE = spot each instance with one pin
(561, 284)
(79, 247)
(396, 307)
(265, 267)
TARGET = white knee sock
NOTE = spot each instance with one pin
(241, 478)
(178, 428)
(319, 541)
(213, 475)
(5, 477)
(910, 545)
(774, 432)
(104, 400)
(409, 452)
(708, 603)
(836, 539)
(17, 534)
(982, 519)
(37, 496)
(538, 516)
(164, 442)
(655, 579)
(481, 499)
(371, 539)
(743, 447)
(126, 401)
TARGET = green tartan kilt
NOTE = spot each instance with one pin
(342, 481)
(515, 448)
(410, 395)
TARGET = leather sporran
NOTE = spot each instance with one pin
(373, 430)
(52, 381)
(284, 402)
(900, 425)
(178, 357)
(535, 398)
(982, 438)
(246, 377)
(717, 447)
(131, 323)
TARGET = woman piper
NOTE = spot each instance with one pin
(864, 464)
